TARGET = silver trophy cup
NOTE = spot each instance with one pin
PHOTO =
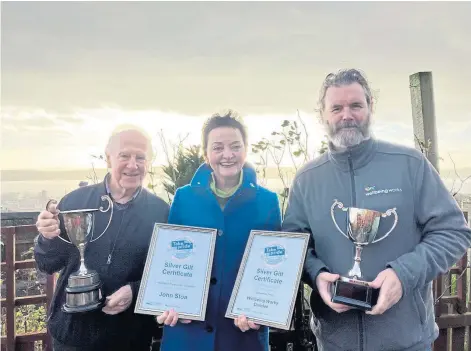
(362, 230)
(83, 291)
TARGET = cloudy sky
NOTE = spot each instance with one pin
(71, 71)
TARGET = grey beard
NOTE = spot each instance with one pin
(344, 138)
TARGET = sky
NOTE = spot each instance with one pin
(70, 72)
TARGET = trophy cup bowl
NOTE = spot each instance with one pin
(362, 230)
(84, 287)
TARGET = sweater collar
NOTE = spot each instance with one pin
(359, 155)
(108, 192)
(225, 193)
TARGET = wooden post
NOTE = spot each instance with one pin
(423, 114)
(425, 139)
(9, 234)
(50, 284)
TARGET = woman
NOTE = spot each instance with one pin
(223, 194)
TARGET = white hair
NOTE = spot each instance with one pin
(128, 128)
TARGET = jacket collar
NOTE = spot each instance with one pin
(359, 155)
(202, 176)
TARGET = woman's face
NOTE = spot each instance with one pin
(226, 152)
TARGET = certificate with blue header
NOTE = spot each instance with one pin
(177, 271)
(268, 279)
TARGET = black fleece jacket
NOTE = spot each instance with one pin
(126, 241)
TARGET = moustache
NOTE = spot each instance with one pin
(347, 124)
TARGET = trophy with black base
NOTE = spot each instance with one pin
(362, 229)
(83, 290)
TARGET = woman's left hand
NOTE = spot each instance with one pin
(244, 324)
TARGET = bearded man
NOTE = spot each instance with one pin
(427, 229)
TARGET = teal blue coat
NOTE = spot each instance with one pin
(251, 207)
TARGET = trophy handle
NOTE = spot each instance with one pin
(387, 214)
(101, 209)
(332, 208)
(110, 206)
(68, 242)
(47, 209)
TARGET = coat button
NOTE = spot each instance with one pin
(209, 329)
(213, 280)
(220, 232)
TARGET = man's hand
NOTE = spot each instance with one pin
(324, 281)
(390, 293)
(119, 301)
(48, 221)
(243, 324)
(171, 318)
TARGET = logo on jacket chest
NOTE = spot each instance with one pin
(373, 190)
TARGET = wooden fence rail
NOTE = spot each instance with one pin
(13, 341)
(453, 309)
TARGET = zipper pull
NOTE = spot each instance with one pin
(109, 259)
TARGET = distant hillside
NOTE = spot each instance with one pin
(78, 174)
(82, 174)
(38, 175)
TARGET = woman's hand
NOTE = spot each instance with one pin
(244, 324)
(171, 318)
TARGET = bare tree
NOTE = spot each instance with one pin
(458, 180)
(461, 181)
(291, 142)
(92, 176)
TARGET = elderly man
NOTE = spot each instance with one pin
(429, 233)
(118, 256)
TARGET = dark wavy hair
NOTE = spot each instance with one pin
(344, 77)
(229, 119)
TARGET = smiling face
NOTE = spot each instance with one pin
(346, 115)
(225, 153)
(127, 156)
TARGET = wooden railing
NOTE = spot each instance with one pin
(453, 307)
(13, 341)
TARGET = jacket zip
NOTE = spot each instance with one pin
(360, 326)
(352, 181)
(354, 203)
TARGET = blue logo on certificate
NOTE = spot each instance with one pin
(274, 254)
(181, 248)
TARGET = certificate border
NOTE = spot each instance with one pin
(157, 311)
(235, 291)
